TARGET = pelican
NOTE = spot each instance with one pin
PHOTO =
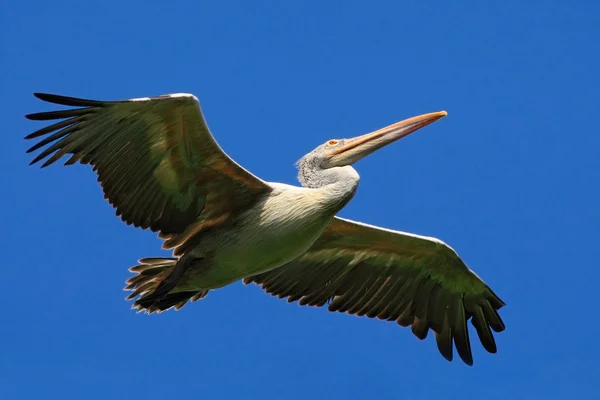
(161, 169)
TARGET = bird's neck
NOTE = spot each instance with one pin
(337, 185)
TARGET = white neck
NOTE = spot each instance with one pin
(337, 184)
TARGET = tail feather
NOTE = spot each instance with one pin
(150, 287)
(171, 300)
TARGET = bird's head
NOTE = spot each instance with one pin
(343, 152)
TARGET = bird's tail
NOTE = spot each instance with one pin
(152, 286)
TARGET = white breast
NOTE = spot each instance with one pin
(276, 231)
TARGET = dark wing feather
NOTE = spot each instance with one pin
(156, 160)
(414, 280)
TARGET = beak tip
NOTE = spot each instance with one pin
(443, 113)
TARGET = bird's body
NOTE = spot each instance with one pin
(282, 226)
(161, 169)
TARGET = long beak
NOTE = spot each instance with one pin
(354, 149)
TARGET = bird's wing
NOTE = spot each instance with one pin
(395, 276)
(156, 160)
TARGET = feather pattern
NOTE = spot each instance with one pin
(156, 160)
(414, 280)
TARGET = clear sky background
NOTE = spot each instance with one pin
(509, 179)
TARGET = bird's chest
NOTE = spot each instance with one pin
(273, 233)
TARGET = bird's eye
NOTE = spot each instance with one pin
(332, 142)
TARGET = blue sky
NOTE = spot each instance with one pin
(509, 179)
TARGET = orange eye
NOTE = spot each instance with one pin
(332, 142)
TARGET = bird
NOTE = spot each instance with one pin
(160, 167)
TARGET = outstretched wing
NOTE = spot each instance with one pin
(395, 276)
(156, 160)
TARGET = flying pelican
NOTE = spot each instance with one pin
(161, 169)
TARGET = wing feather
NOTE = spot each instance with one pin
(414, 280)
(156, 160)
